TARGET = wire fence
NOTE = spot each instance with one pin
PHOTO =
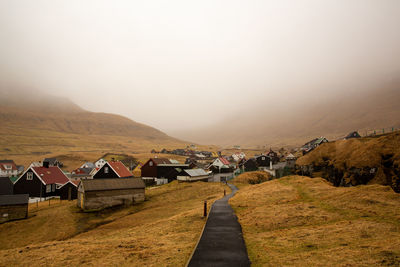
(380, 131)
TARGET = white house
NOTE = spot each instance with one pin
(100, 163)
(8, 168)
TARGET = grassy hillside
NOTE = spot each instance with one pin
(370, 160)
(299, 221)
(38, 126)
(162, 231)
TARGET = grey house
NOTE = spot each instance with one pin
(97, 194)
(13, 207)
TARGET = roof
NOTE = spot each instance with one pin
(112, 184)
(83, 171)
(51, 175)
(120, 169)
(174, 165)
(14, 199)
(196, 172)
(9, 163)
(161, 161)
(290, 156)
(50, 160)
(224, 161)
(88, 165)
(6, 186)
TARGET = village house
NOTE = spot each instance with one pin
(8, 168)
(137, 170)
(273, 156)
(52, 162)
(81, 173)
(309, 146)
(249, 165)
(99, 163)
(291, 161)
(193, 175)
(102, 193)
(162, 168)
(238, 156)
(112, 169)
(13, 207)
(263, 161)
(6, 186)
(69, 190)
(351, 135)
(40, 181)
(88, 165)
(220, 165)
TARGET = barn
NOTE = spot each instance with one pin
(102, 193)
(13, 207)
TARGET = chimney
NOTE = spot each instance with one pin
(112, 159)
(45, 164)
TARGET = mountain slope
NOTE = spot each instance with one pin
(34, 125)
(40, 111)
(277, 124)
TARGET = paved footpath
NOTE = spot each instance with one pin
(222, 242)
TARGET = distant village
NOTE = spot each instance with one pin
(106, 183)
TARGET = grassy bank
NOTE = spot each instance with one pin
(162, 231)
(299, 221)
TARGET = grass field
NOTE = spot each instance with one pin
(162, 231)
(299, 221)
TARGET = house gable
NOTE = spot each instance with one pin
(106, 171)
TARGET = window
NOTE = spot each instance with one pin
(106, 169)
(263, 158)
(29, 176)
(53, 188)
(150, 163)
(48, 188)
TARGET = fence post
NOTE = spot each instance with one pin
(37, 203)
(205, 208)
(383, 130)
(224, 192)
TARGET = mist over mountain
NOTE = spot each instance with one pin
(23, 108)
(292, 122)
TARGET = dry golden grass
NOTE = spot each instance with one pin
(358, 153)
(255, 177)
(299, 221)
(162, 231)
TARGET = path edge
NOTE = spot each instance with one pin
(201, 234)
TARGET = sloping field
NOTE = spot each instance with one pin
(162, 231)
(368, 160)
(299, 221)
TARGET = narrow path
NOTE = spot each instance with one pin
(222, 242)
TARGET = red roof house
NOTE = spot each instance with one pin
(113, 169)
(40, 181)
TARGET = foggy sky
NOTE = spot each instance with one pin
(183, 64)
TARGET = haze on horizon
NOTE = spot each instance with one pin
(176, 65)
